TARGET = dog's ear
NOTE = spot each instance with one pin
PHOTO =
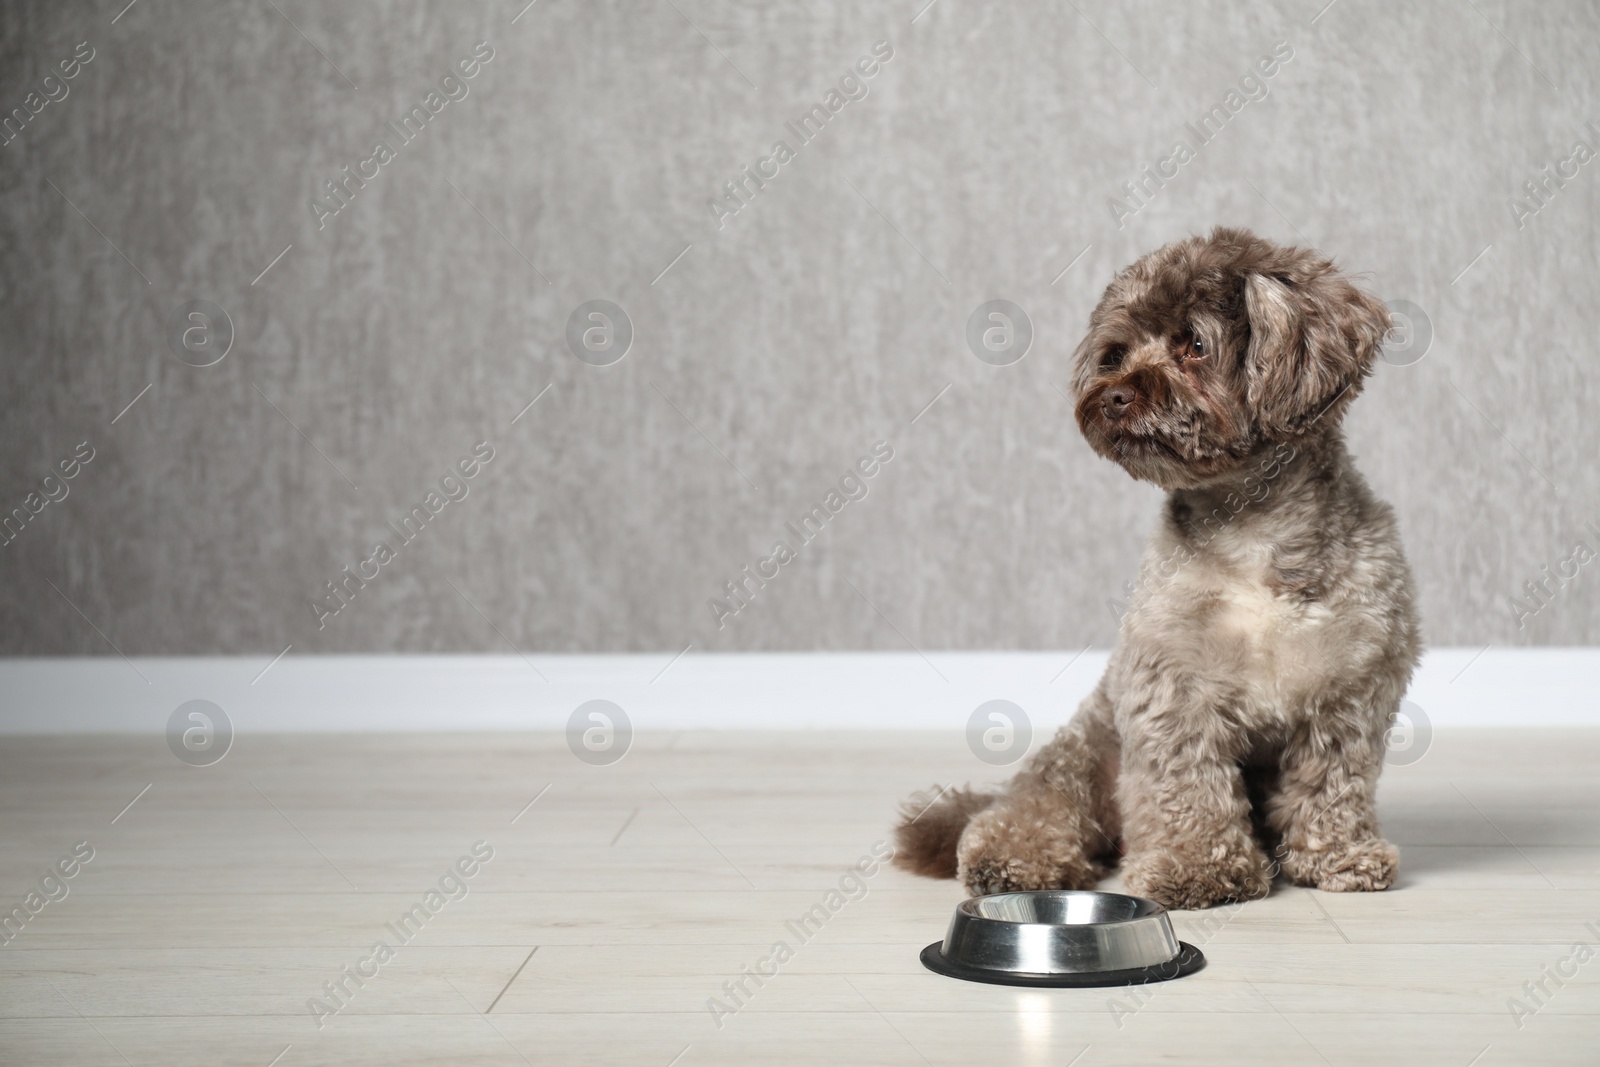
(1313, 338)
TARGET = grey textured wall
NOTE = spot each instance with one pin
(420, 319)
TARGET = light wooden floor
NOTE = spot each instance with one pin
(225, 898)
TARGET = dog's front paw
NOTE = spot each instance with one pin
(1001, 853)
(1357, 867)
(1190, 882)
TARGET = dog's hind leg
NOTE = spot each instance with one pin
(1056, 826)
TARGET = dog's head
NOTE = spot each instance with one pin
(1205, 350)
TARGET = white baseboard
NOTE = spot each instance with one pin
(835, 690)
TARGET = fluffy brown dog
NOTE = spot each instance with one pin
(1272, 632)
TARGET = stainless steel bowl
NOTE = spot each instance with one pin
(1061, 938)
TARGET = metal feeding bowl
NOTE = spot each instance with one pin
(1061, 938)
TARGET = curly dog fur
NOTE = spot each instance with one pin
(1272, 632)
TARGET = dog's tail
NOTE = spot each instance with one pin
(930, 826)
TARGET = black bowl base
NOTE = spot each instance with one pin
(1188, 960)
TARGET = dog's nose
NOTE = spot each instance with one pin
(1117, 401)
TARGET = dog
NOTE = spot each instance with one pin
(1273, 629)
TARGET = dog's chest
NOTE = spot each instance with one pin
(1257, 610)
(1245, 627)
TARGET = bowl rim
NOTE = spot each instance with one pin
(969, 906)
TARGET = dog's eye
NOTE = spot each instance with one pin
(1194, 348)
(1111, 358)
